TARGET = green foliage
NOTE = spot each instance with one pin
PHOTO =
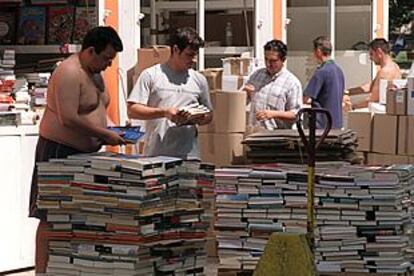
(401, 12)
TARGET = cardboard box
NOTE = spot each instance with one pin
(377, 159)
(396, 100)
(385, 132)
(361, 123)
(229, 112)
(222, 149)
(238, 66)
(383, 84)
(405, 132)
(233, 83)
(148, 57)
(410, 95)
(214, 77)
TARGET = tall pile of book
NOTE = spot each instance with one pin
(7, 79)
(284, 145)
(124, 215)
(194, 174)
(364, 215)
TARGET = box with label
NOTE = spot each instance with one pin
(410, 95)
(229, 112)
(385, 132)
(396, 97)
(361, 123)
(222, 149)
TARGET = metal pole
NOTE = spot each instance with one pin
(311, 177)
(332, 23)
(201, 12)
(153, 23)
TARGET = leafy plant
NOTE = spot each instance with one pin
(400, 12)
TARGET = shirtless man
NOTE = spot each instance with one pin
(75, 117)
(379, 53)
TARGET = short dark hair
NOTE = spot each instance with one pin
(277, 46)
(324, 44)
(186, 37)
(380, 43)
(100, 37)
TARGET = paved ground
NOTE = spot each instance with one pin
(211, 269)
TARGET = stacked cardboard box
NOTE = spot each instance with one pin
(220, 141)
(386, 138)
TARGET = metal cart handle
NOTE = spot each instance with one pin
(311, 145)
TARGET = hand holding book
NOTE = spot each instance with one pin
(193, 113)
(131, 135)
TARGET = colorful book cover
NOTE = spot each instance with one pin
(32, 26)
(60, 24)
(85, 19)
(7, 26)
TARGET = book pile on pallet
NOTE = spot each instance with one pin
(364, 215)
(284, 145)
(124, 215)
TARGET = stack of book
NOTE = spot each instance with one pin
(365, 220)
(363, 215)
(284, 145)
(124, 215)
(7, 76)
(249, 203)
(39, 83)
(195, 174)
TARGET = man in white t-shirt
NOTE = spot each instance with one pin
(162, 90)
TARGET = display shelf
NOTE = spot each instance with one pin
(43, 49)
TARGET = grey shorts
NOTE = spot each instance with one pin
(45, 150)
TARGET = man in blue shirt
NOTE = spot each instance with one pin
(327, 85)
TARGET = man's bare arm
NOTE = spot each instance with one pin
(144, 112)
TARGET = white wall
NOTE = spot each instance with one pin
(129, 31)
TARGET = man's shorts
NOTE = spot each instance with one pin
(45, 150)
